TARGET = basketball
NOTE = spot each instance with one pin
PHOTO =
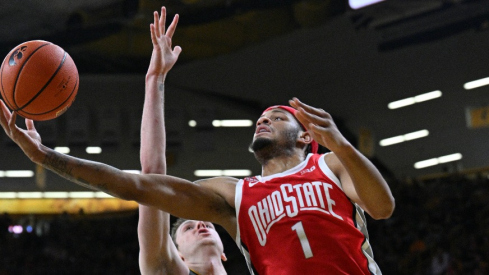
(38, 80)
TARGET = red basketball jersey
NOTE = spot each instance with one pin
(301, 222)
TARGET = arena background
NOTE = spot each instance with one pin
(238, 58)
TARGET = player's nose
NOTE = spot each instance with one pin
(263, 120)
(201, 224)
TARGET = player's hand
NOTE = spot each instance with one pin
(163, 57)
(320, 125)
(28, 140)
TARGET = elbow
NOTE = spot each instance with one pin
(385, 211)
(129, 189)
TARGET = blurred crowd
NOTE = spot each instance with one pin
(440, 226)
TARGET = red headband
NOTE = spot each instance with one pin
(314, 144)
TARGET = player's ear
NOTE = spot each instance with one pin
(305, 137)
(223, 257)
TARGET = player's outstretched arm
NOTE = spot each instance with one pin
(177, 196)
(157, 252)
(361, 180)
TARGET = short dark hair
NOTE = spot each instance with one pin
(175, 226)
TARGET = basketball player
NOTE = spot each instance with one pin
(199, 249)
(303, 215)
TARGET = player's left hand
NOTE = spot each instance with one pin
(163, 57)
(320, 125)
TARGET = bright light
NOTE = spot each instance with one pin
(401, 103)
(62, 150)
(55, 195)
(435, 161)
(102, 195)
(449, 158)
(416, 99)
(132, 171)
(226, 123)
(417, 134)
(8, 195)
(2, 174)
(391, 140)
(236, 173)
(232, 123)
(19, 174)
(208, 173)
(93, 150)
(29, 195)
(425, 163)
(81, 195)
(16, 229)
(219, 173)
(476, 83)
(356, 4)
(402, 138)
(427, 96)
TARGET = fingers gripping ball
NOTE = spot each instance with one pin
(38, 80)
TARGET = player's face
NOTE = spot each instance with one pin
(274, 127)
(193, 234)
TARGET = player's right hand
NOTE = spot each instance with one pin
(28, 140)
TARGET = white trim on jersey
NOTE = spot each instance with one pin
(326, 170)
(237, 202)
(291, 171)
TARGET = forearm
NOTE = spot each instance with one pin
(153, 138)
(156, 248)
(153, 237)
(90, 174)
(371, 188)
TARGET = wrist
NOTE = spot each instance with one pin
(153, 76)
(37, 156)
(345, 149)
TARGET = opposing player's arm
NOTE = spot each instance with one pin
(157, 252)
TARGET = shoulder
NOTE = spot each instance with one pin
(333, 163)
(224, 186)
(226, 182)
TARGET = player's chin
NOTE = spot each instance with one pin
(260, 143)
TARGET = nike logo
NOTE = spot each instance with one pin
(252, 181)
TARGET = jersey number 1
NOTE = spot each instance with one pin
(306, 248)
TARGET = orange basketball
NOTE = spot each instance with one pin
(38, 80)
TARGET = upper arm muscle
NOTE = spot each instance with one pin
(210, 201)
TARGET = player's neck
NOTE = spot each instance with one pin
(281, 163)
(210, 266)
(206, 261)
